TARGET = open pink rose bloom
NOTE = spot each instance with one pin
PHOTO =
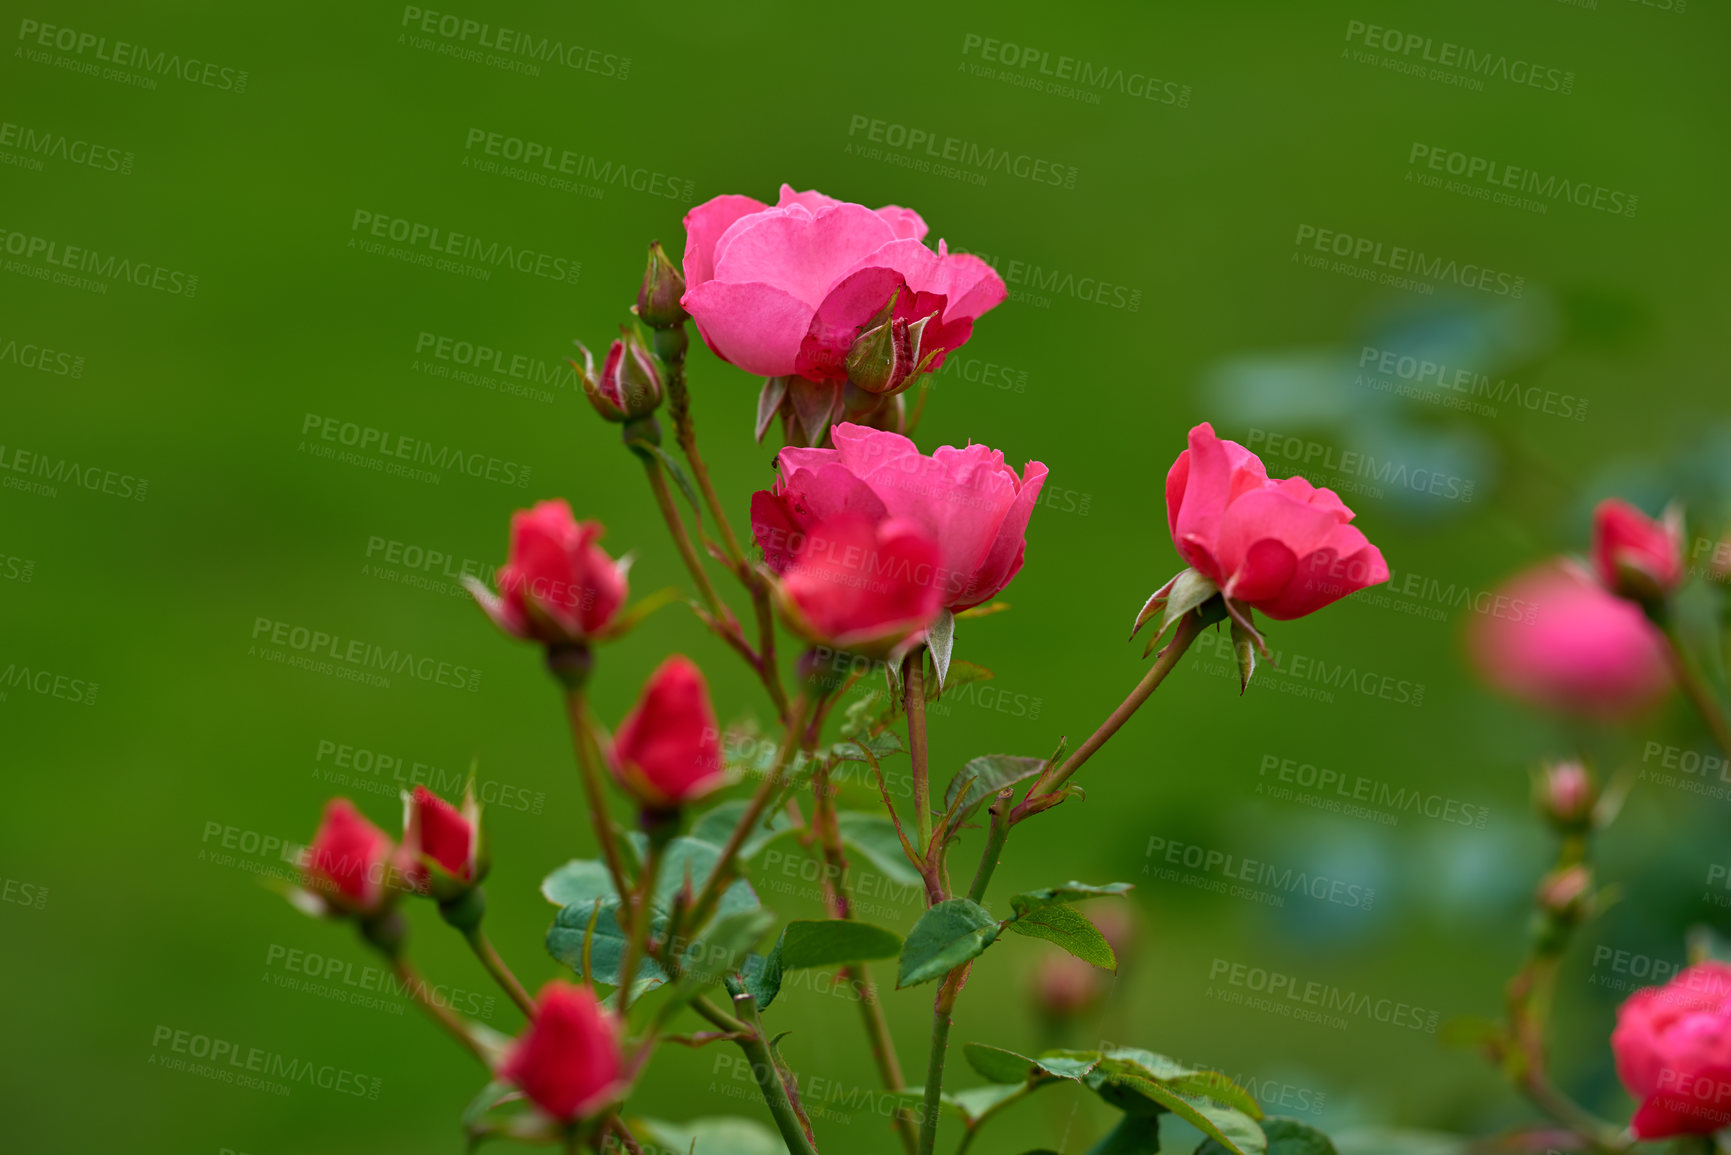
(1673, 1050)
(784, 290)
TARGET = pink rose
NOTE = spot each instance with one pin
(1635, 555)
(1283, 547)
(1673, 1049)
(349, 859)
(558, 586)
(785, 290)
(435, 833)
(966, 500)
(1563, 642)
(567, 1060)
(668, 749)
(862, 584)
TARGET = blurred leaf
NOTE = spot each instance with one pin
(1285, 1137)
(1072, 1065)
(984, 776)
(1065, 926)
(720, 1135)
(997, 1065)
(975, 1102)
(715, 826)
(1233, 1130)
(947, 935)
(607, 953)
(1032, 900)
(1134, 1135)
(833, 942)
(1380, 1141)
(582, 880)
(874, 836)
(721, 950)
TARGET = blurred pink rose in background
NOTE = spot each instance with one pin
(1568, 644)
(1673, 1049)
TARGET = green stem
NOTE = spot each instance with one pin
(483, 948)
(996, 835)
(1188, 629)
(637, 942)
(914, 704)
(768, 1075)
(1694, 686)
(682, 540)
(679, 401)
(934, 1090)
(588, 762)
(443, 1016)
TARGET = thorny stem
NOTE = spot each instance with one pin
(483, 948)
(577, 712)
(941, 1010)
(637, 941)
(1188, 628)
(768, 1075)
(914, 704)
(996, 834)
(1694, 686)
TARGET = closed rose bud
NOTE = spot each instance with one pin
(1065, 986)
(442, 844)
(1566, 894)
(1567, 794)
(1636, 556)
(1566, 644)
(1281, 546)
(629, 384)
(349, 861)
(559, 586)
(567, 1059)
(1673, 1051)
(862, 585)
(668, 749)
(658, 297)
(885, 358)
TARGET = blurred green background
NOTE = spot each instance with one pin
(125, 914)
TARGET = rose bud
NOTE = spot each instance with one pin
(862, 585)
(558, 587)
(886, 358)
(1567, 794)
(1065, 986)
(629, 384)
(1566, 644)
(1673, 1051)
(658, 297)
(1637, 557)
(349, 861)
(442, 845)
(967, 501)
(1566, 894)
(784, 290)
(1280, 546)
(567, 1060)
(668, 749)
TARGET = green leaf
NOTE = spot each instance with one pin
(1385, 1141)
(977, 1102)
(984, 776)
(607, 953)
(1244, 648)
(1032, 900)
(1235, 1131)
(1286, 1137)
(997, 1065)
(719, 1135)
(1189, 1081)
(833, 942)
(1065, 926)
(1134, 1135)
(762, 976)
(715, 826)
(874, 836)
(580, 881)
(769, 402)
(693, 856)
(485, 1101)
(722, 948)
(940, 640)
(947, 935)
(1072, 1065)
